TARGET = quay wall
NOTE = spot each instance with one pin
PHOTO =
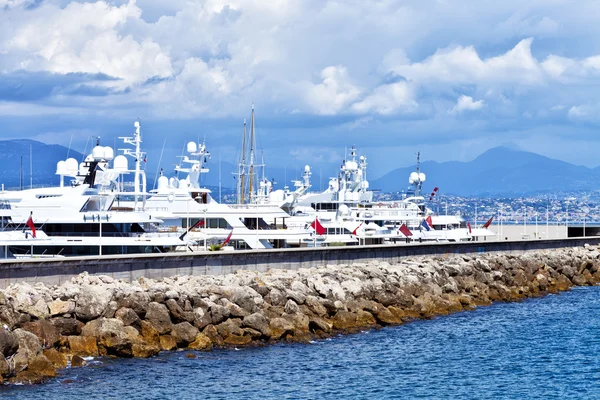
(55, 271)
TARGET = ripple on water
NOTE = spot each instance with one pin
(539, 349)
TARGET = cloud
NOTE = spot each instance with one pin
(334, 93)
(466, 103)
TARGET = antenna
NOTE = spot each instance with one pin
(30, 167)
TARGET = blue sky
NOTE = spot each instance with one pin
(447, 78)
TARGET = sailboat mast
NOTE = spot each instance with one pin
(251, 169)
(242, 168)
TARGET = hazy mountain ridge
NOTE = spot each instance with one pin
(498, 171)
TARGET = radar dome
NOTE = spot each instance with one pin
(422, 177)
(71, 166)
(414, 177)
(163, 182)
(192, 147)
(120, 163)
(61, 168)
(351, 165)
(344, 210)
(136, 124)
(98, 153)
(109, 153)
(306, 168)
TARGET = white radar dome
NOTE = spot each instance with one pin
(306, 168)
(422, 177)
(120, 163)
(192, 147)
(71, 166)
(414, 177)
(109, 153)
(61, 168)
(351, 165)
(163, 182)
(98, 153)
(344, 210)
(136, 124)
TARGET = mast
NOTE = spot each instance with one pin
(241, 169)
(419, 182)
(251, 168)
(30, 167)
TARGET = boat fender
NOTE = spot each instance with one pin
(171, 197)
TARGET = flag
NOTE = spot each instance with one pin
(228, 238)
(435, 189)
(488, 223)
(144, 158)
(429, 221)
(354, 232)
(425, 225)
(469, 226)
(31, 225)
(197, 224)
(405, 231)
(318, 227)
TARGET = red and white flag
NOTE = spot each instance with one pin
(316, 225)
(31, 225)
(405, 231)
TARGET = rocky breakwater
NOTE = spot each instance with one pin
(46, 328)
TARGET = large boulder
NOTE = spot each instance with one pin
(111, 336)
(92, 302)
(137, 301)
(259, 322)
(83, 345)
(57, 358)
(59, 307)
(44, 330)
(29, 348)
(201, 342)
(9, 343)
(184, 333)
(179, 315)
(129, 317)
(158, 315)
(280, 327)
(67, 326)
(230, 327)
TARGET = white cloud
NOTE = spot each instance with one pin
(466, 103)
(334, 93)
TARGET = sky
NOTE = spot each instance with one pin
(448, 78)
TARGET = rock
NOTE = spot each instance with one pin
(235, 340)
(316, 323)
(365, 318)
(38, 310)
(9, 343)
(179, 315)
(168, 342)
(218, 313)
(140, 350)
(291, 307)
(315, 306)
(59, 307)
(259, 322)
(129, 317)
(137, 301)
(58, 359)
(276, 297)
(234, 310)
(280, 327)
(297, 297)
(78, 361)
(67, 326)
(41, 366)
(92, 302)
(230, 327)
(150, 334)
(246, 297)
(110, 334)
(82, 345)
(158, 315)
(184, 333)
(29, 348)
(344, 320)
(201, 318)
(201, 342)
(8, 316)
(190, 355)
(4, 368)
(111, 309)
(44, 330)
(386, 317)
(211, 332)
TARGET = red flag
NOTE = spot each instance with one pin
(488, 223)
(31, 225)
(405, 231)
(429, 221)
(469, 226)
(228, 238)
(356, 229)
(199, 223)
(318, 227)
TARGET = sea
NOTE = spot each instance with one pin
(543, 348)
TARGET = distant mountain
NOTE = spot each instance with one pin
(43, 165)
(498, 171)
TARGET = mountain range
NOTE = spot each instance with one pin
(498, 171)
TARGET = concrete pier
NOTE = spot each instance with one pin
(55, 271)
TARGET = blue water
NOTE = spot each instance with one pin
(546, 348)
